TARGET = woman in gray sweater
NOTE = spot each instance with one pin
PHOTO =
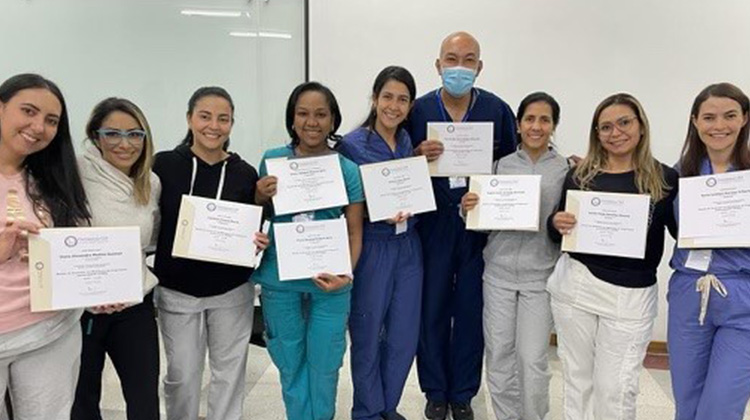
(517, 317)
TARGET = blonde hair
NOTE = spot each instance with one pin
(649, 176)
(141, 170)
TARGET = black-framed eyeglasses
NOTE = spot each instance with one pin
(112, 137)
(622, 124)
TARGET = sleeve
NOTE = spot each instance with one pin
(156, 214)
(553, 234)
(343, 147)
(505, 139)
(416, 125)
(353, 181)
(262, 171)
(672, 204)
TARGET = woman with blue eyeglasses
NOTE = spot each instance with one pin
(122, 191)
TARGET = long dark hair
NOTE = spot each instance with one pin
(539, 97)
(56, 188)
(333, 106)
(389, 73)
(197, 96)
(694, 151)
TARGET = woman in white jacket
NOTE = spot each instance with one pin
(122, 191)
(516, 318)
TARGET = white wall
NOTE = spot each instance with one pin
(664, 52)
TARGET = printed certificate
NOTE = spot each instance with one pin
(84, 267)
(307, 184)
(217, 231)
(397, 185)
(715, 211)
(467, 148)
(305, 249)
(506, 202)
(608, 223)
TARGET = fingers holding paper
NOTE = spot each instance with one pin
(14, 236)
(469, 201)
(431, 149)
(265, 188)
(564, 222)
(400, 217)
(261, 241)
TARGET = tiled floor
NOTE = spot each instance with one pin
(263, 401)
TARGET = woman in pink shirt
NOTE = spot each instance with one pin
(39, 187)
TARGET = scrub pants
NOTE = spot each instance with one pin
(306, 337)
(517, 325)
(451, 345)
(42, 382)
(384, 323)
(131, 339)
(189, 326)
(709, 364)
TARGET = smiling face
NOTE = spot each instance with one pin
(28, 122)
(718, 123)
(536, 127)
(211, 123)
(123, 154)
(391, 105)
(619, 130)
(313, 121)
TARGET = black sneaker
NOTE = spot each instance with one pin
(392, 416)
(462, 411)
(435, 410)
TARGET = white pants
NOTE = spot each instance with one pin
(43, 381)
(517, 327)
(222, 324)
(603, 332)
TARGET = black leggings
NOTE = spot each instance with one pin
(131, 339)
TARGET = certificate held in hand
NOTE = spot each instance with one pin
(306, 184)
(506, 202)
(467, 148)
(305, 249)
(84, 267)
(217, 231)
(607, 223)
(715, 211)
(399, 185)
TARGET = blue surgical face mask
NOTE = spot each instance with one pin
(458, 81)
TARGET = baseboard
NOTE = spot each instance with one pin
(654, 347)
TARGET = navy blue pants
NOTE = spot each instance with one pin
(449, 357)
(384, 322)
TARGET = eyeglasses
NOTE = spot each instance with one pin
(623, 124)
(112, 137)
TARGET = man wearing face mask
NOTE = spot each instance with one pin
(449, 358)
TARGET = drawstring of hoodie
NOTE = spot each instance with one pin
(194, 173)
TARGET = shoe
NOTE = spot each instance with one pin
(462, 411)
(435, 410)
(392, 416)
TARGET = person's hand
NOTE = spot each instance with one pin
(431, 149)
(564, 222)
(15, 237)
(399, 218)
(265, 188)
(261, 241)
(328, 282)
(108, 309)
(469, 201)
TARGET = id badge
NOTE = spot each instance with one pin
(457, 182)
(402, 227)
(699, 259)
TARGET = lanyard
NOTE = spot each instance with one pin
(221, 178)
(446, 117)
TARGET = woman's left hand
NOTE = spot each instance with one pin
(328, 282)
(261, 241)
(399, 218)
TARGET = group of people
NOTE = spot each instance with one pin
(422, 286)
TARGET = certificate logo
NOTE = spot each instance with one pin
(300, 229)
(711, 182)
(385, 172)
(211, 206)
(451, 128)
(494, 182)
(39, 266)
(596, 201)
(71, 241)
(294, 166)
